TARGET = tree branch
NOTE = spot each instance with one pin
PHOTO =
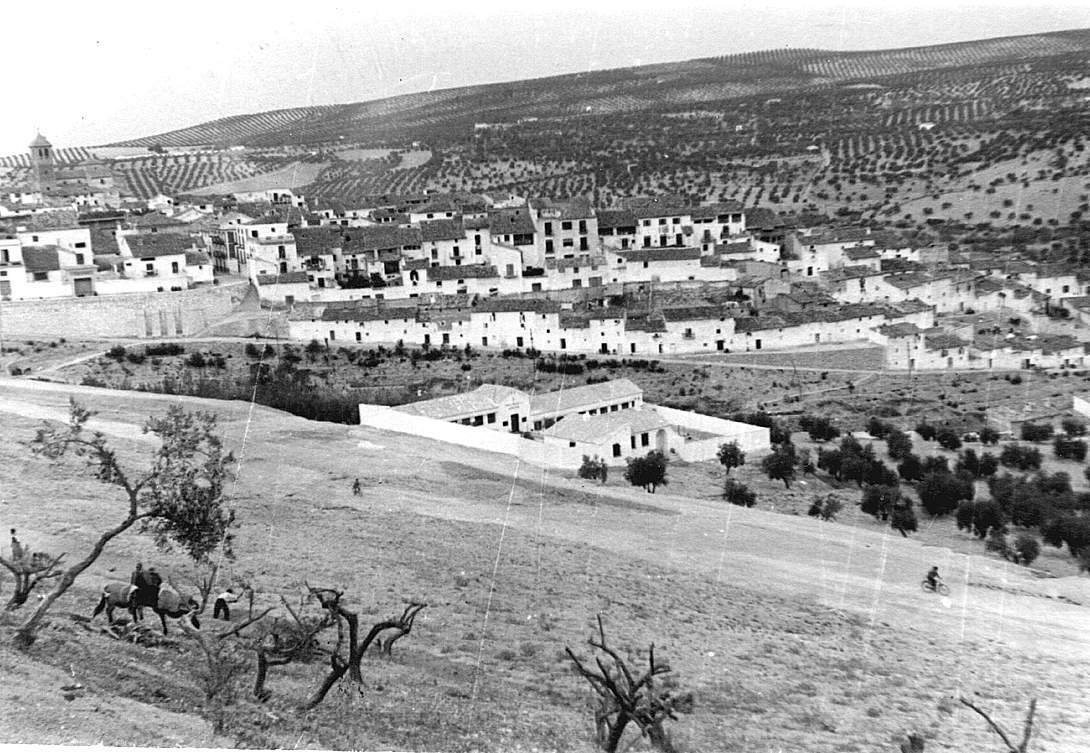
(998, 730)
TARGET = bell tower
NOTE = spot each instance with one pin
(41, 160)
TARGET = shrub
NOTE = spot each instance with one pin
(997, 542)
(1020, 457)
(825, 507)
(910, 469)
(780, 465)
(978, 518)
(1069, 449)
(135, 358)
(988, 435)
(903, 519)
(948, 439)
(731, 456)
(252, 351)
(1036, 432)
(898, 444)
(878, 428)
(648, 471)
(926, 431)
(880, 501)
(941, 493)
(594, 468)
(1025, 549)
(117, 353)
(738, 493)
(1073, 427)
(196, 360)
(820, 428)
(164, 349)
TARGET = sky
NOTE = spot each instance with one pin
(94, 73)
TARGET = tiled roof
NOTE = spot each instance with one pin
(692, 313)
(316, 241)
(712, 211)
(762, 218)
(508, 305)
(153, 220)
(461, 273)
(39, 141)
(986, 285)
(736, 247)
(197, 258)
(485, 399)
(615, 218)
(283, 279)
(374, 237)
(593, 429)
(590, 394)
(442, 230)
(900, 329)
(936, 340)
(577, 208)
(510, 222)
(104, 241)
(861, 252)
(659, 254)
(41, 259)
(147, 245)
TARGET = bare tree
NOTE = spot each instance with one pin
(179, 499)
(29, 569)
(624, 698)
(347, 623)
(1027, 727)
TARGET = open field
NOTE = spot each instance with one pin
(794, 634)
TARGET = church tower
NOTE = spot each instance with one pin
(41, 159)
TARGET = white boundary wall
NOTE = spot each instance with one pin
(751, 439)
(535, 452)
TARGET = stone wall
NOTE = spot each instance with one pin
(150, 315)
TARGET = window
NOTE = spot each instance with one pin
(647, 223)
(83, 244)
(79, 258)
(253, 233)
(149, 267)
(491, 418)
(568, 242)
(548, 228)
(518, 342)
(566, 225)
(677, 220)
(478, 420)
(584, 247)
(359, 337)
(662, 221)
(549, 247)
(644, 439)
(332, 335)
(582, 226)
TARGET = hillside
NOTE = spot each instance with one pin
(689, 83)
(794, 634)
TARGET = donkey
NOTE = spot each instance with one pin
(117, 595)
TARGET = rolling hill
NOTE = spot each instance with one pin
(443, 112)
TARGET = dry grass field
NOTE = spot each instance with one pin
(794, 634)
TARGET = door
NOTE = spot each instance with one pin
(515, 422)
(84, 286)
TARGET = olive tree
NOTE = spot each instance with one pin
(179, 498)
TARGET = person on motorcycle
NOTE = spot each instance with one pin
(933, 577)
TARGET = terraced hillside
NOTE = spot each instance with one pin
(450, 111)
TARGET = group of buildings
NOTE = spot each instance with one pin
(655, 275)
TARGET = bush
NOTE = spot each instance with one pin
(880, 501)
(1036, 432)
(820, 428)
(780, 465)
(196, 360)
(926, 431)
(1073, 427)
(1025, 549)
(978, 518)
(910, 469)
(1069, 449)
(878, 428)
(941, 493)
(997, 542)
(1021, 457)
(738, 493)
(731, 456)
(648, 471)
(117, 353)
(164, 349)
(825, 507)
(948, 439)
(594, 468)
(898, 444)
(135, 358)
(988, 435)
(903, 519)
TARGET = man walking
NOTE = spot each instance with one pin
(139, 579)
